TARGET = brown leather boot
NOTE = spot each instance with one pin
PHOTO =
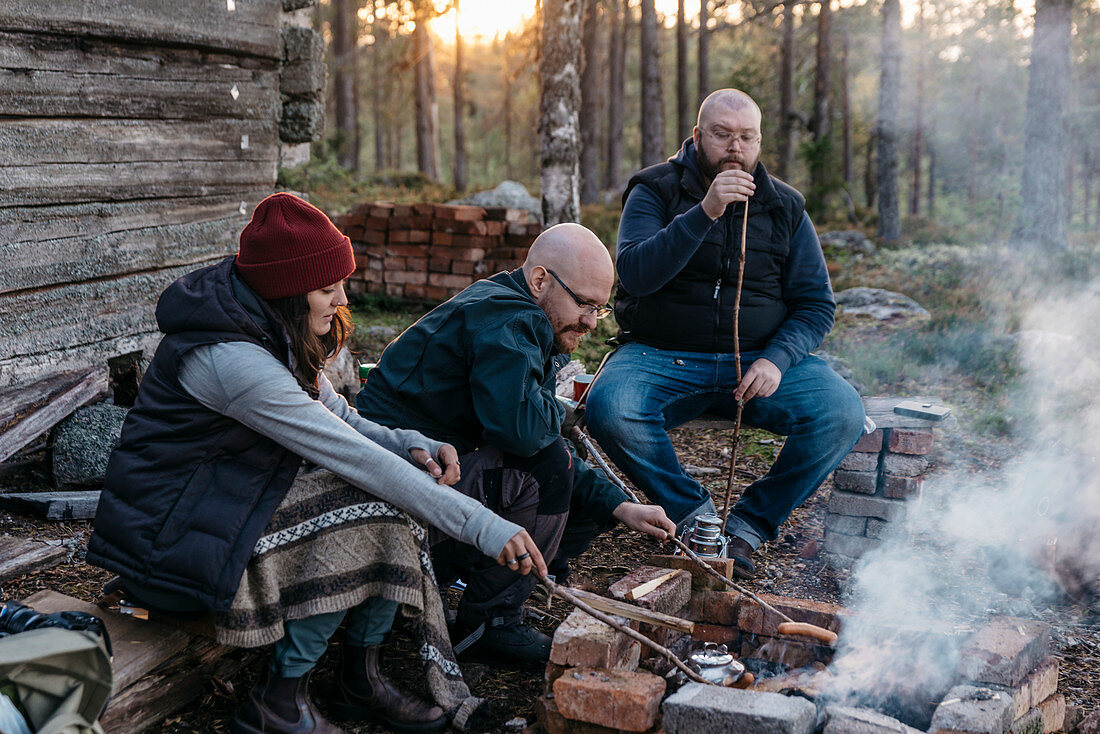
(277, 705)
(364, 694)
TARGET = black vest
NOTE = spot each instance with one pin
(694, 311)
(188, 490)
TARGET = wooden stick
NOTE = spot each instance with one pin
(570, 597)
(737, 364)
(642, 589)
(613, 606)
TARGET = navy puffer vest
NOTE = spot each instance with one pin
(694, 311)
(188, 490)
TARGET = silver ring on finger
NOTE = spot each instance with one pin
(510, 561)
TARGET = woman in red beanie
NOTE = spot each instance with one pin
(206, 506)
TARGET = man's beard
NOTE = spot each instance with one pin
(710, 169)
(560, 341)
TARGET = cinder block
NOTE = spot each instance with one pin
(847, 524)
(971, 709)
(584, 641)
(860, 482)
(858, 461)
(614, 698)
(700, 579)
(1004, 651)
(714, 607)
(843, 503)
(699, 708)
(870, 443)
(1053, 710)
(878, 529)
(792, 652)
(846, 720)
(905, 465)
(757, 619)
(852, 546)
(916, 441)
(899, 488)
(1031, 722)
(668, 598)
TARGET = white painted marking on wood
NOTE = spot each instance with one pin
(243, 209)
(231, 4)
(234, 92)
(244, 142)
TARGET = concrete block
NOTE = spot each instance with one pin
(870, 443)
(714, 607)
(1031, 722)
(843, 503)
(973, 710)
(847, 524)
(700, 579)
(917, 441)
(899, 488)
(857, 461)
(699, 708)
(614, 698)
(904, 465)
(1004, 651)
(860, 482)
(852, 546)
(1053, 710)
(668, 598)
(847, 720)
(584, 641)
(53, 505)
(757, 619)
(791, 651)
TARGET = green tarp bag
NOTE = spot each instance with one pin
(62, 678)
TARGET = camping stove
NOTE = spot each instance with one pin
(705, 536)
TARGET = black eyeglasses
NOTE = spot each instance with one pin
(589, 308)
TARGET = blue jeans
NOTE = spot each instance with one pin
(642, 392)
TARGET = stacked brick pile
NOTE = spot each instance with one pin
(599, 680)
(873, 483)
(433, 251)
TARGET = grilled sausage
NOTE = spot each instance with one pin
(805, 629)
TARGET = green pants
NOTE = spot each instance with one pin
(307, 639)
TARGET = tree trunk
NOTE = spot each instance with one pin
(381, 40)
(460, 163)
(559, 138)
(870, 180)
(972, 151)
(845, 112)
(683, 99)
(589, 112)
(1042, 215)
(509, 171)
(653, 123)
(889, 214)
(786, 94)
(344, 24)
(427, 111)
(931, 195)
(916, 154)
(616, 93)
(821, 156)
(704, 51)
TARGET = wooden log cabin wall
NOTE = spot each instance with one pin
(136, 136)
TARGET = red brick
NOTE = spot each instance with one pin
(398, 235)
(791, 652)
(700, 579)
(756, 619)
(439, 265)
(401, 250)
(416, 291)
(424, 209)
(714, 607)
(437, 293)
(417, 264)
(547, 714)
(582, 640)
(860, 482)
(381, 209)
(614, 698)
(449, 281)
(374, 237)
(420, 235)
(354, 232)
(402, 210)
(442, 238)
(870, 443)
(474, 240)
(899, 488)
(407, 276)
(1042, 683)
(393, 264)
(667, 598)
(463, 267)
(719, 634)
(1004, 651)
(376, 224)
(362, 262)
(910, 441)
(395, 290)
(1053, 710)
(470, 254)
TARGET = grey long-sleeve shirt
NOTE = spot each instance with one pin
(245, 382)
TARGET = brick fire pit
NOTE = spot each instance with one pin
(600, 680)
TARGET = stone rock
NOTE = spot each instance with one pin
(846, 720)
(699, 708)
(1090, 724)
(508, 194)
(849, 239)
(973, 709)
(381, 332)
(342, 370)
(879, 304)
(1004, 651)
(83, 442)
(841, 367)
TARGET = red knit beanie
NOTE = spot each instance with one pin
(290, 248)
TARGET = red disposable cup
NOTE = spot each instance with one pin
(580, 384)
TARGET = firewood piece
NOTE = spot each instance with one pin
(21, 555)
(642, 589)
(638, 614)
(31, 410)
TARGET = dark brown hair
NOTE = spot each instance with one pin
(309, 350)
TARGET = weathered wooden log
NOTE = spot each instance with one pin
(243, 26)
(29, 411)
(20, 370)
(54, 245)
(23, 555)
(47, 77)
